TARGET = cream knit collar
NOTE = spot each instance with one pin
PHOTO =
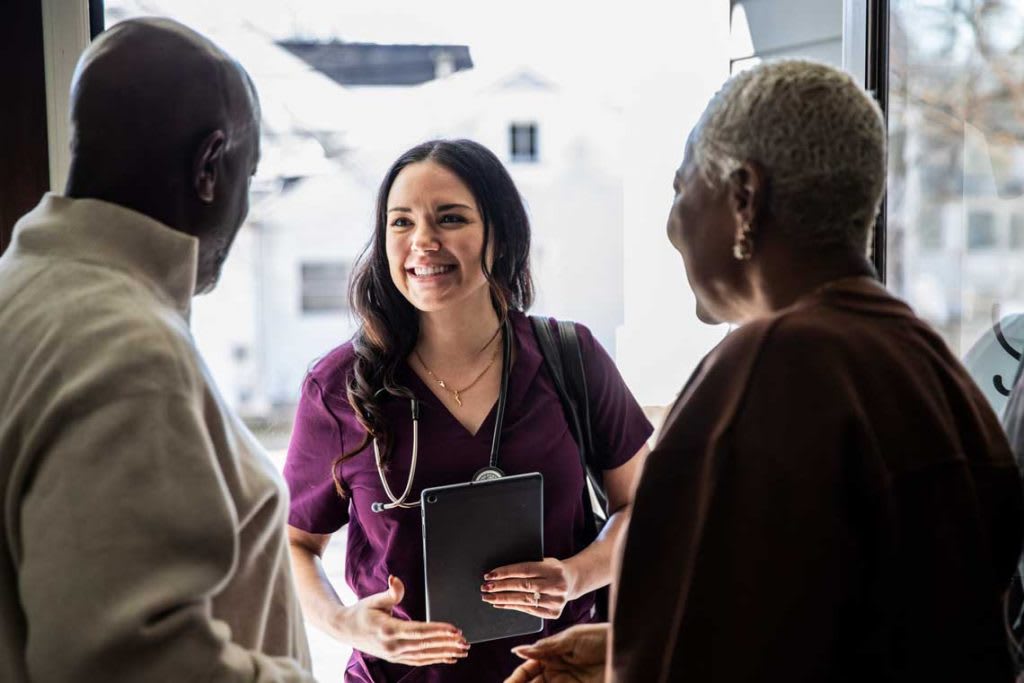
(95, 231)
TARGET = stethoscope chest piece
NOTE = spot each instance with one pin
(487, 474)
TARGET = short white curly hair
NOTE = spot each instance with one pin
(820, 138)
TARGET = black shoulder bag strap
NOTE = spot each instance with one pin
(564, 360)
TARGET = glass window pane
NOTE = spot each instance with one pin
(929, 233)
(981, 230)
(1017, 231)
(956, 155)
(523, 141)
(324, 287)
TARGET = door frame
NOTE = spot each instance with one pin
(866, 56)
(40, 41)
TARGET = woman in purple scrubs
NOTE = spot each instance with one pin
(448, 263)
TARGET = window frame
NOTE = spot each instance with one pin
(530, 128)
(313, 278)
(866, 56)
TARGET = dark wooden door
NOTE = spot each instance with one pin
(24, 160)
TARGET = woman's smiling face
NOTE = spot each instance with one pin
(435, 238)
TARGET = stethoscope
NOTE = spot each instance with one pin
(492, 471)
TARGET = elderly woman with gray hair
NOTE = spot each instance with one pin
(831, 498)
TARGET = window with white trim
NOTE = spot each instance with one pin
(522, 140)
(324, 287)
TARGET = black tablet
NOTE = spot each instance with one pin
(470, 529)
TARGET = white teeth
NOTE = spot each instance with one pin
(432, 270)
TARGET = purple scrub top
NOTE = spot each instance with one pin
(536, 438)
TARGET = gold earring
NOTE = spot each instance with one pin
(743, 249)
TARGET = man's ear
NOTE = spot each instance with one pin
(748, 194)
(205, 170)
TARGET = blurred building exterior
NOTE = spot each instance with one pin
(282, 301)
(586, 167)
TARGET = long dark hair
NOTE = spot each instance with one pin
(389, 325)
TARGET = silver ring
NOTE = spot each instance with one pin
(536, 598)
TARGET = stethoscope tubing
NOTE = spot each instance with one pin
(399, 501)
(499, 420)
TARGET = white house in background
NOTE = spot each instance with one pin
(563, 149)
(559, 148)
(308, 237)
(281, 303)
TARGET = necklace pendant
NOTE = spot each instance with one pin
(441, 384)
(457, 399)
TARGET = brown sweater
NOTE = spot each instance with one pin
(831, 499)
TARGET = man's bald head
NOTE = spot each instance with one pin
(166, 123)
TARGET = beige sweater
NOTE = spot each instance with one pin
(143, 526)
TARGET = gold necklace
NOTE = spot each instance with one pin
(457, 393)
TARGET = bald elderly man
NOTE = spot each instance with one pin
(143, 526)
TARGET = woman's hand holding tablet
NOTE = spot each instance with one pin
(538, 588)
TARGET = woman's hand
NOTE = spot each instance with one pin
(538, 588)
(369, 627)
(576, 655)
